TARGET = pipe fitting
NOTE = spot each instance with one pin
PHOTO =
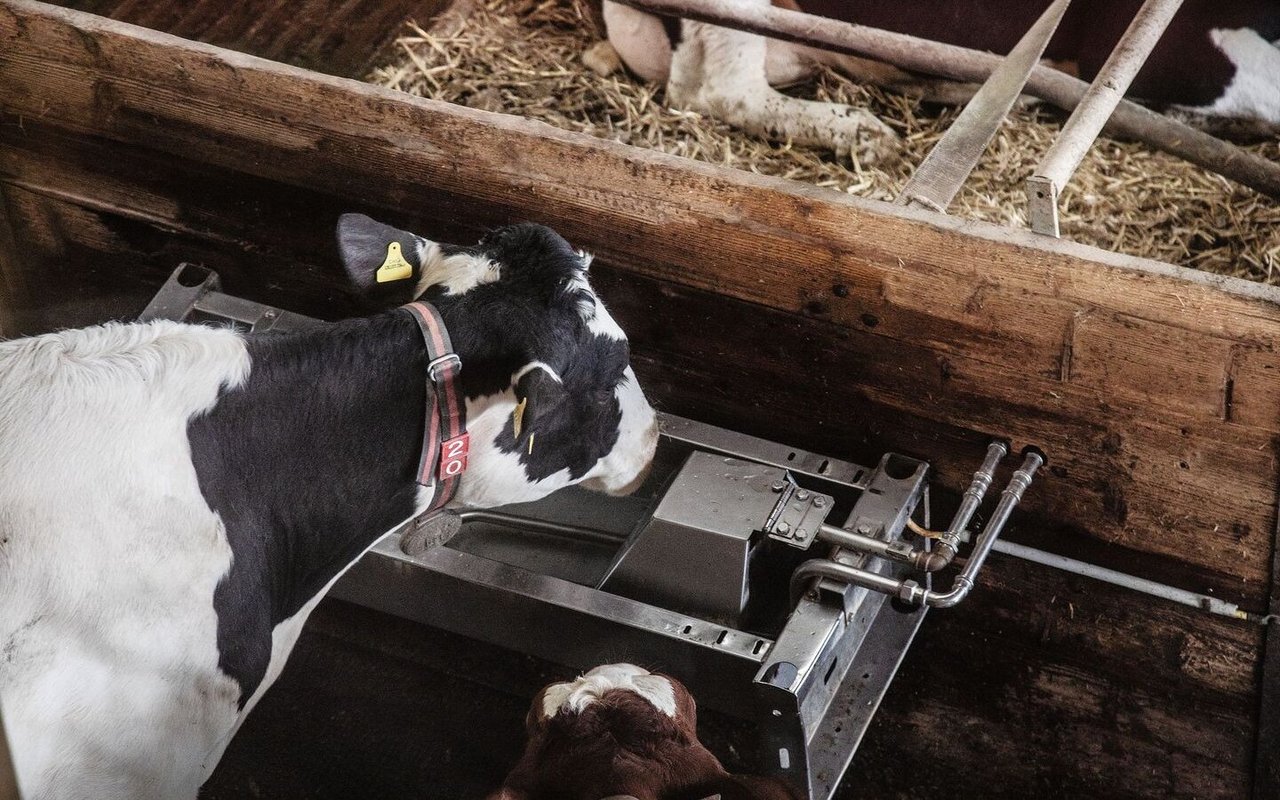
(910, 591)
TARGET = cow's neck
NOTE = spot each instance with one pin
(307, 464)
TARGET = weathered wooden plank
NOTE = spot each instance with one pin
(338, 38)
(1083, 692)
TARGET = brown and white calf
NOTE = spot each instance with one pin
(175, 499)
(1219, 59)
(619, 732)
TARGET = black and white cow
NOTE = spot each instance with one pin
(175, 499)
(1218, 61)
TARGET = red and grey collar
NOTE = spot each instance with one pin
(445, 442)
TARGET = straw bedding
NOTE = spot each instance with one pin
(525, 57)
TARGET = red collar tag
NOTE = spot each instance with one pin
(453, 456)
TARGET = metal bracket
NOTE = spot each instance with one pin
(1042, 205)
(798, 515)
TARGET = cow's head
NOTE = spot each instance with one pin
(620, 732)
(551, 397)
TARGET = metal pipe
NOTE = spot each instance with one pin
(912, 592)
(949, 542)
(1093, 111)
(1204, 602)
(1032, 459)
(533, 525)
(923, 558)
(894, 551)
(823, 568)
(963, 64)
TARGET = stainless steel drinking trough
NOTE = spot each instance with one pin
(756, 573)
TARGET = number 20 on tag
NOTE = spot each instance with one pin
(453, 456)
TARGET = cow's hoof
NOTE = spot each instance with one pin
(602, 59)
(868, 140)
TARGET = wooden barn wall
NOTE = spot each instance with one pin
(822, 321)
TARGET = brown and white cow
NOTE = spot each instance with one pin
(621, 732)
(1218, 60)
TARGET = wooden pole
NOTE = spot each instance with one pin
(1093, 111)
(962, 64)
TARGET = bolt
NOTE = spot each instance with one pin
(778, 486)
(784, 528)
(819, 501)
(802, 495)
(864, 529)
(800, 534)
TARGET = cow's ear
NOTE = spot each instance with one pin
(383, 262)
(539, 392)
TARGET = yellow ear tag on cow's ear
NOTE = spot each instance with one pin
(394, 267)
(531, 442)
(517, 416)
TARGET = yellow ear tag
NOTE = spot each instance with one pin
(394, 268)
(531, 442)
(517, 416)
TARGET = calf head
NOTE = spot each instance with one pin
(620, 731)
(551, 396)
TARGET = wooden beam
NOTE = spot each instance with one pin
(959, 325)
(345, 38)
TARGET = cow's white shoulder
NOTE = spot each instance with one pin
(1253, 90)
(109, 557)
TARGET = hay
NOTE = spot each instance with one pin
(525, 57)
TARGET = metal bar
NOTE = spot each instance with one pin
(963, 64)
(1093, 111)
(947, 166)
(534, 525)
(1124, 580)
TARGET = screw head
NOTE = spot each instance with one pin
(778, 486)
(864, 529)
(802, 495)
(784, 527)
(819, 501)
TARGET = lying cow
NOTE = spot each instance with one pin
(620, 732)
(175, 499)
(1219, 59)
